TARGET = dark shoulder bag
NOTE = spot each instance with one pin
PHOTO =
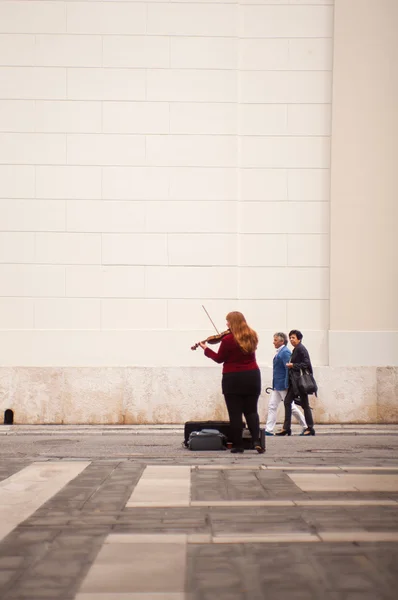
(306, 383)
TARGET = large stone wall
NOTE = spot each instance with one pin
(175, 395)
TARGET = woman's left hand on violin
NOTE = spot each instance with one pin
(203, 345)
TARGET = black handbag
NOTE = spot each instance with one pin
(306, 383)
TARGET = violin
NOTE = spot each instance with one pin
(212, 339)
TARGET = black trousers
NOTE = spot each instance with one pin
(238, 404)
(288, 409)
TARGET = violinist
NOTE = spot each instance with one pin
(241, 378)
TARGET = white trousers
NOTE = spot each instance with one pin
(278, 396)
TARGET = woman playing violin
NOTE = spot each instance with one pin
(241, 378)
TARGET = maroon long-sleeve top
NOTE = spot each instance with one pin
(233, 357)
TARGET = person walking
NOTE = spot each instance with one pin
(280, 384)
(300, 359)
(241, 379)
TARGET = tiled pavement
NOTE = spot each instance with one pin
(264, 526)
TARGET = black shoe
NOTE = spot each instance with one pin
(309, 431)
(237, 450)
(284, 432)
(259, 448)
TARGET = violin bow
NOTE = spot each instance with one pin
(210, 319)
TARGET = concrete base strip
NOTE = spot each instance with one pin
(345, 482)
(346, 503)
(133, 596)
(24, 492)
(358, 536)
(265, 538)
(162, 486)
(249, 467)
(265, 503)
(237, 503)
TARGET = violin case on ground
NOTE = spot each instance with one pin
(222, 427)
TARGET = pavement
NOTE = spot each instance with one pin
(128, 513)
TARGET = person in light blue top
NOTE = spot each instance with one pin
(280, 383)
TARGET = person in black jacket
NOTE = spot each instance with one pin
(300, 359)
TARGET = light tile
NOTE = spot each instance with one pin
(35, 17)
(135, 117)
(67, 182)
(134, 249)
(191, 217)
(201, 183)
(202, 249)
(68, 51)
(192, 19)
(127, 18)
(263, 250)
(262, 119)
(121, 313)
(105, 84)
(184, 314)
(284, 282)
(67, 313)
(263, 184)
(16, 313)
(32, 280)
(263, 54)
(291, 87)
(32, 82)
(17, 247)
(203, 118)
(311, 314)
(68, 248)
(104, 282)
(309, 119)
(67, 116)
(270, 313)
(17, 115)
(190, 85)
(308, 250)
(137, 567)
(32, 148)
(282, 152)
(32, 215)
(111, 149)
(308, 185)
(203, 52)
(17, 181)
(149, 52)
(285, 217)
(105, 216)
(287, 21)
(23, 493)
(135, 183)
(189, 150)
(311, 53)
(191, 282)
(171, 484)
